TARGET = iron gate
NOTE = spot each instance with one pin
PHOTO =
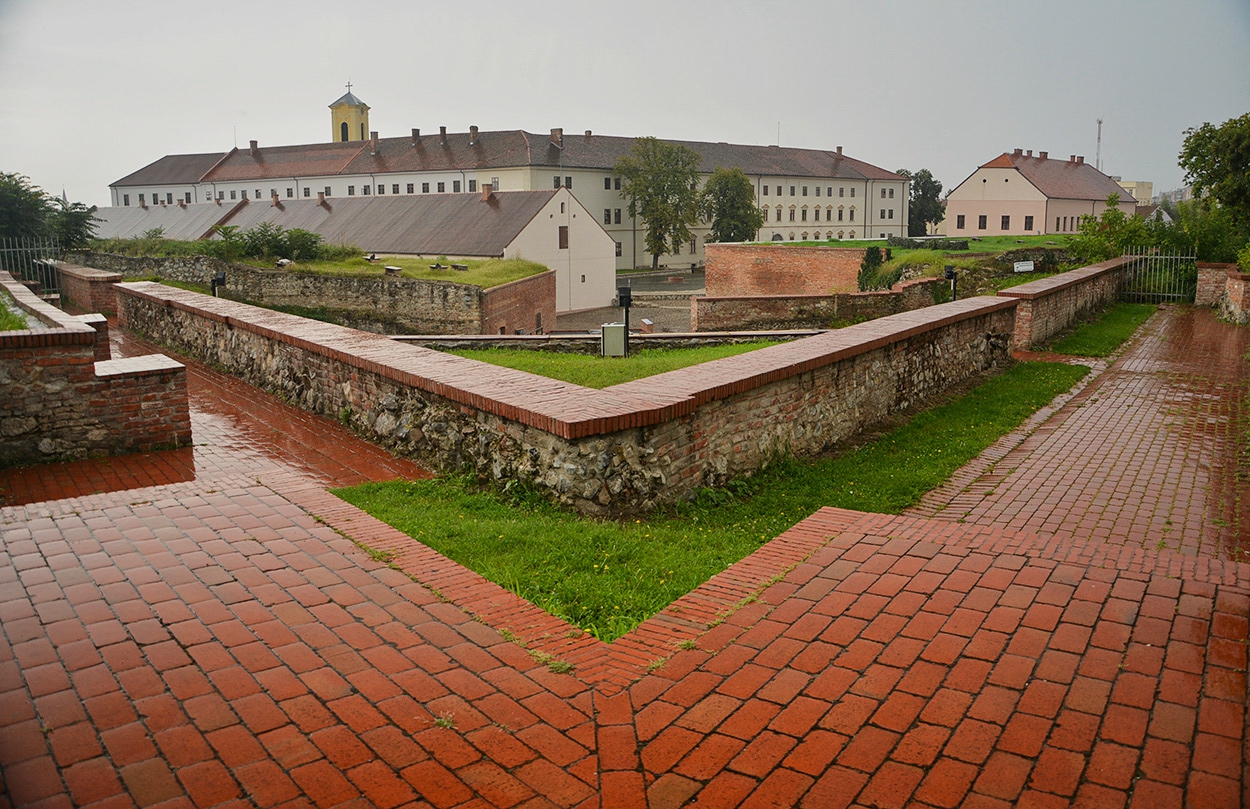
(32, 259)
(1154, 277)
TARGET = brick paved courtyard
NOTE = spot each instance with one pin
(1064, 624)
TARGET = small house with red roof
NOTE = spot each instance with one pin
(1019, 193)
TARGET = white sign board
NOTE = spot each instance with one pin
(1024, 266)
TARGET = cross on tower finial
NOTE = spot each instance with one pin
(349, 85)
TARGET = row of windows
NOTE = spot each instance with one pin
(828, 191)
(829, 235)
(1004, 222)
(828, 214)
(365, 190)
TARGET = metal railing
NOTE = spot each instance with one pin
(1154, 277)
(32, 259)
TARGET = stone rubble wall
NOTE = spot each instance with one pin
(1051, 305)
(1234, 302)
(764, 312)
(1212, 281)
(61, 398)
(620, 451)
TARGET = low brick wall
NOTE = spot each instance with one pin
(738, 270)
(61, 397)
(764, 312)
(527, 305)
(618, 451)
(379, 304)
(1234, 302)
(1051, 305)
(1212, 281)
(590, 343)
(87, 288)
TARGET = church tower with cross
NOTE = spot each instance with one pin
(349, 117)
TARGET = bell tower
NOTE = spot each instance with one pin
(349, 118)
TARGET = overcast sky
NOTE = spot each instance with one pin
(91, 91)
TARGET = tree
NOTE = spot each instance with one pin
(660, 182)
(1108, 235)
(926, 201)
(1216, 159)
(27, 212)
(729, 199)
(1200, 228)
(23, 208)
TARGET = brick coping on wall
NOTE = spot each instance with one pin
(88, 273)
(63, 328)
(1055, 283)
(560, 408)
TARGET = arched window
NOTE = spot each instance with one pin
(343, 132)
(841, 233)
(803, 235)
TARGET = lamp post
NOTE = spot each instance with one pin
(624, 297)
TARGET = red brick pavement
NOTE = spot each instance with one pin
(210, 642)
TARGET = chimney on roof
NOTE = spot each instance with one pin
(1029, 153)
(321, 200)
(253, 148)
(217, 200)
(442, 135)
(1043, 155)
(273, 200)
(588, 133)
(839, 151)
(472, 135)
(1018, 152)
(182, 204)
(373, 143)
(416, 136)
(1071, 158)
(557, 138)
(1080, 159)
(488, 192)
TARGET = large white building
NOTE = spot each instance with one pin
(805, 194)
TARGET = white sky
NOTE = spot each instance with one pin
(91, 91)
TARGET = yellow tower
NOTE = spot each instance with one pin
(349, 117)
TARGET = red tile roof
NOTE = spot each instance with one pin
(1060, 179)
(174, 169)
(513, 148)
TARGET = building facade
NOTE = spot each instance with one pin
(1018, 194)
(805, 194)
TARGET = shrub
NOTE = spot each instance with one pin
(868, 269)
(927, 244)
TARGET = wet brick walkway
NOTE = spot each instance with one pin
(216, 639)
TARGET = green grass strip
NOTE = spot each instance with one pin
(607, 577)
(592, 371)
(11, 317)
(1100, 337)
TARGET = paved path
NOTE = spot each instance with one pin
(207, 641)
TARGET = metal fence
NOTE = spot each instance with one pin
(32, 259)
(1155, 277)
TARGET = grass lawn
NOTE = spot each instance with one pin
(592, 371)
(485, 273)
(1100, 337)
(11, 317)
(606, 577)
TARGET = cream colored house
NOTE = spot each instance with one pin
(1139, 190)
(1018, 194)
(806, 194)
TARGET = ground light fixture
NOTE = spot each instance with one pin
(219, 281)
(624, 297)
(950, 276)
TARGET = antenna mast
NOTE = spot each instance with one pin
(1098, 154)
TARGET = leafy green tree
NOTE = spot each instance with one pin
(729, 199)
(1108, 235)
(1216, 159)
(23, 208)
(925, 207)
(1200, 228)
(72, 224)
(661, 182)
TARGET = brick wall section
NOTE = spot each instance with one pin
(618, 451)
(379, 304)
(87, 288)
(1234, 303)
(528, 304)
(62, 398)
(737, 270)
(576, 343)
(763, 312)
(1050, 305)
(1212, 280)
